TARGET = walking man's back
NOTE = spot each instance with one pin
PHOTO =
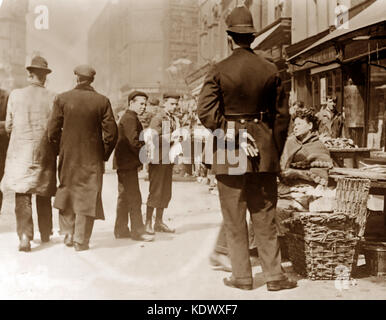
(83, 125)
(30, 166)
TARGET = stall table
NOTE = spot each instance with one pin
(339, 154)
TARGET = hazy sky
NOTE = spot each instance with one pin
(64, 44)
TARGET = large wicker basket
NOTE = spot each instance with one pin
(323, 245)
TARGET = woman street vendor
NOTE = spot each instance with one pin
(304, 165)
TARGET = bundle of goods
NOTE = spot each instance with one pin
(338, 143)
(319, 243)
(378, 168)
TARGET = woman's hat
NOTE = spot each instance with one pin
(240, 21)
(39, 63)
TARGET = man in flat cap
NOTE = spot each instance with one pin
(127, 162)
(242, 96)
(30, 166)
(83, 126)
(163, 124)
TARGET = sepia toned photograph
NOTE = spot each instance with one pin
(210, 151)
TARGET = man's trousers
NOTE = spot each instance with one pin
(160, 188)
(129, 201)
(24, 221)
(258, 193)
(221, 243)
(78, 225)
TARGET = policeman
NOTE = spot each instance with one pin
(242, 96)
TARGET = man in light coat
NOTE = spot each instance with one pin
(83, 124)
(30, 166)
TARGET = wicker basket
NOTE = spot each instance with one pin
(321, 245)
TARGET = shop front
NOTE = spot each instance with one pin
(349, 64)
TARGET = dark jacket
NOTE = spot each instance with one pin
(126, 155)
(246, 83)
(83, 122)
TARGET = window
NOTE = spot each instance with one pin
(354, 102)
(279, 9)
(377, 108)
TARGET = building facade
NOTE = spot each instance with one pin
(271, 19)
(346, 60)
(13, 42)
(147, 45)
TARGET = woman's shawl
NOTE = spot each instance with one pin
(309, 154)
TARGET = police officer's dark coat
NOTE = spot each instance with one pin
(83, 121)
(246, 83)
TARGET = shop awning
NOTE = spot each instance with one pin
(372, 15)
(260, 38)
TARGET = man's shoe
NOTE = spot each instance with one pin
(220, 261)
(25, 244)
(281, 285)
(125, 234)
(149, 229)
(230, 282)
(81, 246)
(69, 240)
(162, 227)
(142, 237)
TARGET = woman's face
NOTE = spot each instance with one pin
(302, 127)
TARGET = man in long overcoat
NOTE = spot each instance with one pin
(83, 123)
(243, 92)
(30, 166)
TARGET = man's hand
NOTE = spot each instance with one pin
(249, 145)
(180, 134)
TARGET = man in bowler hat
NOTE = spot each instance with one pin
(82, 125)
(30, 167)
(127, 161)
(160, 168)
(242, 95)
